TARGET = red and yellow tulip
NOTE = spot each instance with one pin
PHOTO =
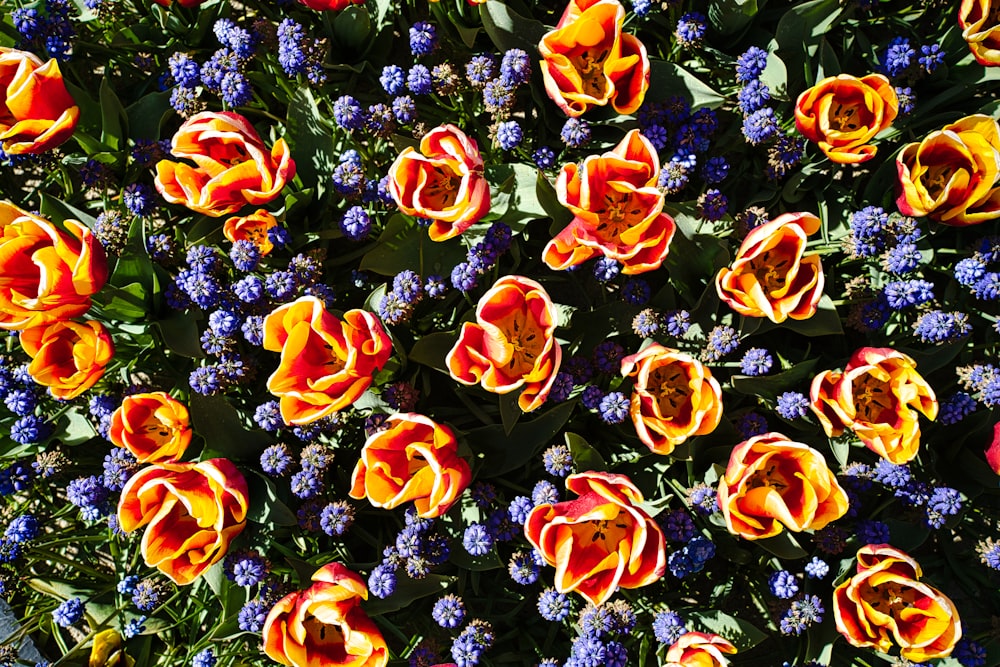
(771, 276)
(878, 396)
(952, 174)
(588, 61)
(326, 362)
(512, 344)
(772, 482)
(883, 605)
(67, 357)
(153, 426)
(842, 114)
(37, 113)
(324, 625)
(232, 166)
(192, 511)
(413, 458)
(601, 540)
(442, 182)
(674, 397)
(617, 208)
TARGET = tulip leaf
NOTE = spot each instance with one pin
(265, 506)
(114, 121)
(74, 428)
(179, 333)
(508, 29)
(219, 423)
(783, 545)
(58, 210)
(408, 590)
(127, 303)
(738, 632)
(667, 79)
(432, 349)
(310, 140)
(771, 386)
(826, 321)
(731, 16)
(585, 457)
(503, 453)
(147, 114)
(404, 245)
(351, 28)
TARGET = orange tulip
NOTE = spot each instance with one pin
(884, 604)
(511, 344)
(326, 363)
(36, 111)
(771, 481)
(443, 182)
(330, 5)
(843, 113)
(618, 209)
(877, 396)
(46, 274)
(674, 397)
(324, 625)
(253, 228)
(698, 649)
(413, 458)
(981, 29)
(192, 511)
(232, 168)
(952, 175)
(67, 357)
(601, 540)
(153, 426)
(588, 61)
(771, 276)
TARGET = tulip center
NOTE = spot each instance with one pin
(441, 190)
(844, 117)
(937, 178)
(872, 399)
(158, 432)
(771, 270)
(609, 532)
(619, 213)
(670, 386)
(523, 343)
(590, 66)
(891, 597)
(771, 477)
(323, 635)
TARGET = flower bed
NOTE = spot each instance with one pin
(500, 333)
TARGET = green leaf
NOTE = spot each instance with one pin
(667, 79)
(180, 334)
(740, 634)
(508, 29)
(147, 115)
(731, 16)
(74, 428)
(408, 590)
(770, 386)
(351, 27)
(521, 194)
(265, 507)
(403, 245)
(58, 210)
(432, 349)
(114, 121)
(585, 457)
(783, 545)
(510, 411)
(310, 140)
(127, 303)
(133, 265)
(220, 425)
(826, 321)
(503, 453)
